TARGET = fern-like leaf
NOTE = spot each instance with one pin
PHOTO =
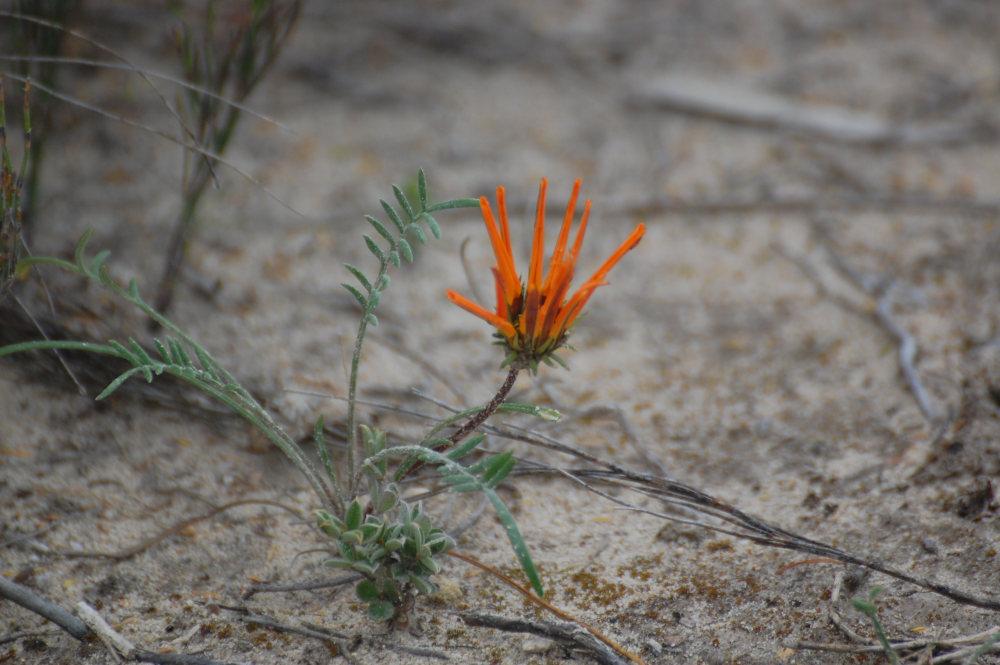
(381, 229)
(357, 295)
(422, 188)
(405, 249)
(392, 214)
(374, 248)
(360, 276)
(403, 202)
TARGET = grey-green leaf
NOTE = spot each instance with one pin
(403, 202)
(357, 295)
(392, 214)
(360, 276)
(374, 248)
(422, 188)
(380, 228)
(405, 250)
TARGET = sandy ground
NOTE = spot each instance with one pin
(733, 341)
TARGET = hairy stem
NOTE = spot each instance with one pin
(481, 417)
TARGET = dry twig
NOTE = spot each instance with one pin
(83, 629)
(607, 642)
(730, 103)
(567, 633)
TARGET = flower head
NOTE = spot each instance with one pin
(533, 319)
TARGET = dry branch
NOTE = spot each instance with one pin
(730, 103)
(565, 632)
(82, 630)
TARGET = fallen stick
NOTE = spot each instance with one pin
(736, 104)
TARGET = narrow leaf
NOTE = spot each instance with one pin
(360, 276)
(393, 215)
(467, 447)
(501, 471)
(140, 352)
(178, 353)
(122, 351)
(419, 232)
(114, 385)
(81, 248)
(98, 260)
(516, 542)
(500, 465)
(433, 226)
(353, 517)
(457, 478)
(422, 189)
(538, 411)
(454, 203)
(405, 250)
(380, 227)
(403, 202)
(206, 362)
(466, 487)
(357, 295)
(375, 249)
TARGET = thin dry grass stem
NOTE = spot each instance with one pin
(164, 135)
(541, 602)
(59, 356)
(105, 48)
(101, 64)
(694, 501)
(879, 290)
(630, 433)
(805, 562)
(923, 649)
(142, 546)
(757, 530)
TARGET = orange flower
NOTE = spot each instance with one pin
(533, 319)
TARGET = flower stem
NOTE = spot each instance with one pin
(488, 410)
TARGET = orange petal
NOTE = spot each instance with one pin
(505, 260)
(538, 244)
(502, 309)
(560, 249)
(579, 233)
(579, 299)
(560, 277)
(617, 255)
(504, 227)
(500, 324)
